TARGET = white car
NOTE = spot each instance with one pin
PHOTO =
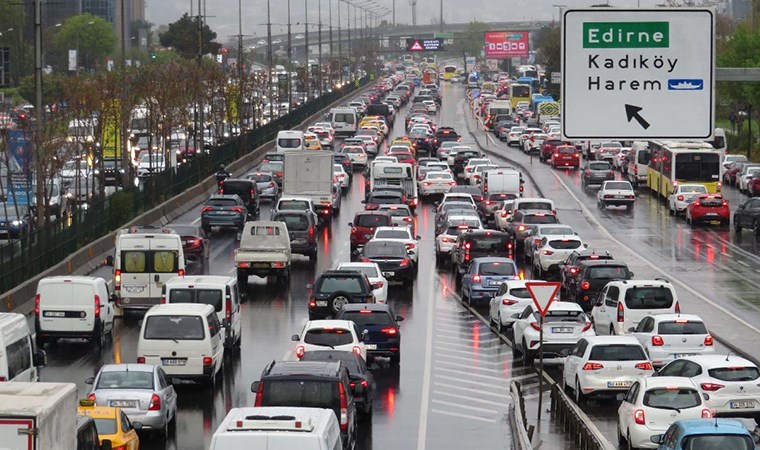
(537, 235)
(399, 234)
(513, 137)
(680, 198)
(375, 276)
(604, 364)
(553, 251)
(445, 148)
(436, 183)
(326, 126)
(430, 106)
(565, 323)
(511, 298)
(667, 337)
(386, 159)
(616, 193)
(526, 134)
(319, 335)
(533, 142)
(728, 159)
(470, 166)
(369, 144)
(339, 172)
(150, 163)
(454, 226)
(457, 197)
(503, 214)
(401, 215)
(475, 177)
(453, 153)
(619, 161)
(653, 404)
(355, 154)
(730, 382)
(743, 180)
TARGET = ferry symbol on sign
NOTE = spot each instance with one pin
(685, 85)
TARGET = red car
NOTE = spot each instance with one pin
(753, 186)
(566, 156)
(402, 156)
(708, 208)
(547, 150)
(364, 225)
(195, 243)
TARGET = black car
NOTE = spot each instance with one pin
(422, 142)
(245, 189)
(384, 334)
(384, 197)
(747, 215)
(596, 172)
(358, 373)
(591, 278)
(112, 176)
(224, 211)
(335, 288)
(393, 259)
(314, 385)
(302, 230)
(445, 134)
(569, 267)
(477, 244)
(343, 160)
(461, 158)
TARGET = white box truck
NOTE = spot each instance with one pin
(38, 416)
(310, 174)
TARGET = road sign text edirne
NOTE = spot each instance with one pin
(631, 74)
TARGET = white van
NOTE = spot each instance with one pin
(502, 181)
(638, 163)
(219, 292)
(277, 428)
(623, 303)
(72, 307)
(18, 360)
(185, 340)
(288, 140)
(145, 258)
(344, 120)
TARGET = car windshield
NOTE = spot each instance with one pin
(392, 234)
(542, 218)
(564, 244)
(618, 185)
(350, 285)
(294, 222)
(717, 441)
(681, 327)
(608, 272)
(599, 166)
(617, 352)
(367, 318)
(439, 176)
(174, 328)
(735, 373)
(105, 426)
(648, 297)
(396, 212)
(385, 200)
(211, 297)
(371, 221)
(328, 336)
(496, 268)
(125, 380)
(542, 206)
(672, 398)
(222, 202)
(547, 231)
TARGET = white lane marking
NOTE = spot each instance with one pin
(469, 366)
(426, 374)
(469, 398)
(196, 220)
(469, 373)
(461, 406)
(475, 391)
(464, 416)
(742, 263)
(476, 383)
(603, 229)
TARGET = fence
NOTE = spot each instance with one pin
(46, 246)
(521, 436)
(576, 423)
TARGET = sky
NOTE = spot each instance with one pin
(223, 14)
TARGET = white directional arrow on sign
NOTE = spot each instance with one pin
(543, 294)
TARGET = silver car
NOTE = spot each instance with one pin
(266, 184)
(143, 391)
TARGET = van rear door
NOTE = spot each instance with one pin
(57, 312)
(166, 261)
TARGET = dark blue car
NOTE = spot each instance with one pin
(485, 276)
(11, 225)
(383, 336)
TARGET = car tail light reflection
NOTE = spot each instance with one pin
(620, 313)
(155, 403)
(644, 366)
(593, 366)
(657, 341)
(711, 387)
(708, 341)
(300, 350)
(508, 302)
(638, 416)
(585, 285)
(140, 360)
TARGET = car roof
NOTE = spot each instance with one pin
(711, 426)
(714, 361)
(179, 309)
(561, 306)
(339, 273)
(612, 340)
(664, 382)
(666, 317)
(602, 262)
(326, 323)
(371, 213)
(315, 368)
(128, 368)
(393, 228)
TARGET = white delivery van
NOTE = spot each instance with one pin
(289, 140)
(145, 258)
(18, 359)
(185, 340)
(38, 416)
(277, 428)
(219, 292)
(502, 181)
(638, 163)
(344, 120)
(72, 307)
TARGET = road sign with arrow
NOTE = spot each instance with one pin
(638, 74)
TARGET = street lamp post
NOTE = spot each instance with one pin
(269, 61)
(340, 46)
(306, 50)
(290, 61)
(319, 38)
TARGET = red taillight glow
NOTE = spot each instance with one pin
(155, 403)
(657, 341)
(708, 341)
(707, 414)
(638, 416)
(389, 331)
(620, 313)
(585, 285)
(97, 306)
(586, 326)
(37, 305)
(300, 350)
(140, 360)
(476, 278)
(260, 395)
(343, 407)
(117, 280)
(678, 308)
(711, 387)
(593, 366)
(207, 360)
(357, 350)
(404, 262)
(644, 366)
(508, 302)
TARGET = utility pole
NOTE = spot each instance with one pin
(290, 62)
(239, 109)
(38, 109)
(306, 49)
(441, 19)
(394, 13)
(348, 43)
(340, 46)
(269, 61)
(125, 163)
(319, 38)
(199, 132)
(330, 27)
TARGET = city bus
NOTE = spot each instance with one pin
(534, 84)
(519, 93)
(448, 72)
(690, 162)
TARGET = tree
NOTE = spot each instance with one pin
(93, 37)
(12, 19)
(471, 40)
(182, 35)
(549, 47)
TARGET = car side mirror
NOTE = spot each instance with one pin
(399, 318)
(741, 206)
(137, 426)
(40, 358)
(255, 387)
(107, 444)
(89, 380)
(363, 202)
(109, 260)
(656, 439)
(295, 338)
(630, 274)
(376, 286)
(631, 330)
(418, 237)
(585, 245)
(515, 316)
(309, 286)
(351, 224)
(599, 301)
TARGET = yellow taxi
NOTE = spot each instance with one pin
(404, 141)
(377, 121)
(311, 142)
(112, 424)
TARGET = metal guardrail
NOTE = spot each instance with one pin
(24, 258)
(576, 423)
(521, 434)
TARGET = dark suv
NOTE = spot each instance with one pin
(335, 288)
(311, 385)
(476, 244)
(461, 158)
(569, 267)
(358, 373)
(246, 190)
(444, 134)
(302, 229)
(384, 334)
(519, 225)
(596, 172)
(591, 278)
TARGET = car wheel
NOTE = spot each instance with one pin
(40, 341)
(620, 438)
(499, 326)
(628, 445)
(527, 356)
(737, 225)
(580, 397)
(313, 256)
(756, 228)
(612, 331)
(242, 277)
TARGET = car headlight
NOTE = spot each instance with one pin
(16, 223)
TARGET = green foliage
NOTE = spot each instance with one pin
(94, 37)
(549, 47)
(182, 35)
(120, 211)
(742, 50)
(52, 89)
(470, 41)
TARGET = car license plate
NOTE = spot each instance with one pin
(135, 288)
(370, 346)
(742, 404)
(173, 361)
(494, 283)
(682, 355)
(321, 302)
(54, 314)
(389, 274)
(298, 241)
(261, 265)
(711, 214)
(123, 403)
(619, 384)
(562, 329)
(620, 196)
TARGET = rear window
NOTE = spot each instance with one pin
(711, 201)
(566, 150)
(125, 380)
(368, 318)
(542, 206)
(620, 352)
(620, 185)
(519, 293)
(609, 272)
(328, 336)
(293, 205)
(372, 221)
(142, 261)
(681, 327)
(211, 297)
(497, 268)
(397, 212)
(564, 316)
(672, 398)
(439, 176)
(260, 177)
(289, 142)
(304, 393)
(293, 222)
(385, 200)
(494, 242)
(735, 373)
(222, 202)
(274, 166)
(567, 244)
(600, 166)
(539, 219)
(174, 327)
(383, 249)
(350, 285)
(392, 234)
(240, 188)
(369, 271)
(648, 298)
(343, 118)
(723, 442)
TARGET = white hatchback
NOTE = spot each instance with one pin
(667, 337)
(436, 183)
(374, 274)
(341, 335)
(552, 251)
(683, 194)
(511, 298)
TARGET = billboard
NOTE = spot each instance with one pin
(21, 160)
(112, 130)
(506, 44)
(424, 45)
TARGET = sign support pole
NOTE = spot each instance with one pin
(540, 368)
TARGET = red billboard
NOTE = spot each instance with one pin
(506, 44)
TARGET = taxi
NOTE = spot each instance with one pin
(404, 142)
(112, 424)
(311, 142)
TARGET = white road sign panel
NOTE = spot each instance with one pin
(543, 294)
(631, 74)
